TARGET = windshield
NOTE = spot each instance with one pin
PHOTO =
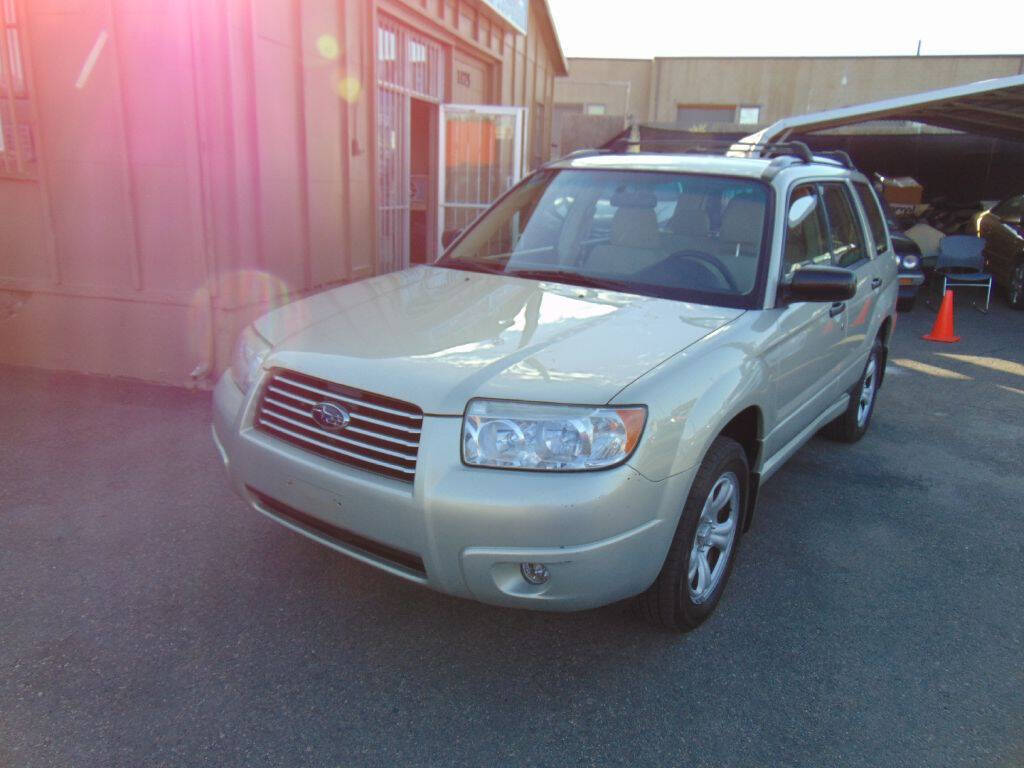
(682, 236)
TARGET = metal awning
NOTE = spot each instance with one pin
(993, 108)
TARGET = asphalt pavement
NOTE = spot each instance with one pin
(874, 617)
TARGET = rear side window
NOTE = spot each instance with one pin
(844, 227)
(875, 221)
(807, 242)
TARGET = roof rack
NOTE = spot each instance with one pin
(783, 154)
(839, 156)
(712, 146)
(731, 148)
(791, 148)
(777, 165)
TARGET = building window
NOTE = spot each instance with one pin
(595, 109)
(17, 152)
(12, 70)
(749, 116)
(417, 52)
(408, 60)
(387, 44)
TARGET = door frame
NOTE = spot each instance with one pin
(433, 170)
(520, 114)
(398, 85)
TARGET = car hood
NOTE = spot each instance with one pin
(437, 337)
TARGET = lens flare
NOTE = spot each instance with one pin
(349, 89)
(258, 291)
(327, 46)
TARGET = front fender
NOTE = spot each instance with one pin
(690, 398)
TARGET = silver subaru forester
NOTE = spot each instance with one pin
(578, 401)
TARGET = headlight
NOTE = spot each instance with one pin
(909, 261)
(250, 352)
(509, 435)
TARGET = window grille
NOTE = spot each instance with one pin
(408, 65)
(17, 154)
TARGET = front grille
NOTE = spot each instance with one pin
(341, 536)
(383, 435)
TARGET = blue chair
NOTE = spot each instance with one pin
(960, 264)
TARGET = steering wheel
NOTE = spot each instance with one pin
(708, 261)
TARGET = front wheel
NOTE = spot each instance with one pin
(703, 549)
(851, 426)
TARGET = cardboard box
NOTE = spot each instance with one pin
(900, 211)
(902, 191)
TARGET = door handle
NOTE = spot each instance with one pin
(838, 308)
(876, 283)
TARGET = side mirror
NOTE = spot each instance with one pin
(801, 208)
(449, 236)
(819, 283)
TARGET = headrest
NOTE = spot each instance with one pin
(689, 221)
(624, 199)
(635, 228)
(743, 221)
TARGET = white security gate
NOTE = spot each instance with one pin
(481, 157)
(408, 64)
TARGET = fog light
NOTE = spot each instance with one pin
(535, 573)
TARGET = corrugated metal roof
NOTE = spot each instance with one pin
(987, 108)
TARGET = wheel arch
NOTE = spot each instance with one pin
(884, 334)
(747, 428)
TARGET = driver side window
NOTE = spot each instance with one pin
(807, 242)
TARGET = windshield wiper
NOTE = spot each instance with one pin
(574, 278)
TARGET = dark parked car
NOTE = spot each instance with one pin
(909, 254)
(1004, 246)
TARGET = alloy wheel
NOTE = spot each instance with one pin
(867, 392)
(714, 538)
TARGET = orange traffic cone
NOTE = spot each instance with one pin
(943, 328)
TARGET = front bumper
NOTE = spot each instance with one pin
(909, 282)
(603, 535)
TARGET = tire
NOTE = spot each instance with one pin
(854, 423)
(1015, 292)
(685, 593)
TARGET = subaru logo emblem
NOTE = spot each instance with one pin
(331, 417)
